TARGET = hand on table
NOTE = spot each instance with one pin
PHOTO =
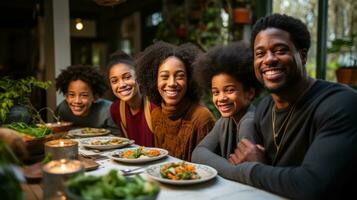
(247, 151)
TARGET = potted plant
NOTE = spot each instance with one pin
(19, 116)
(15, 103)
(346, 72)
(16, 106)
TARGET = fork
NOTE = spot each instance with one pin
(127, 172)
(93, 157)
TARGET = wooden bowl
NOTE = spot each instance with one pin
(59, 127)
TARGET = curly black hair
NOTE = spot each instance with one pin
(152, 57)
(89, 74)
(234, 59)
(297, 30)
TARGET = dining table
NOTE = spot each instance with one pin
(216, 188)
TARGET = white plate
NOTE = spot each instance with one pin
(163, 153)
(205, 172)
(93, 132)
(87, 142)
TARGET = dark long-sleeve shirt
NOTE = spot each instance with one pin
(98, 117)
(318, 157)
(215, 148)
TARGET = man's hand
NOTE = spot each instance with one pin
(247, 151)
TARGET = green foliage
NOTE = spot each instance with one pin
(10, 179)
(17, 92)
(202, 26)
(338, 44)
(10, 176)
(208, 32)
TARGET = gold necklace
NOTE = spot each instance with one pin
(286, 121)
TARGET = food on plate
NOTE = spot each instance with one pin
(111, 186)
(112, 141)
(93, 130)
(140, 152)
(179, 171)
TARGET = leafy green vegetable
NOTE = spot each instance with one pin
(37, 132)
(111, 186)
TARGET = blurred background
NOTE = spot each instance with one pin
(40, 37)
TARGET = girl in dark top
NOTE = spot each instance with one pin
(227, 72)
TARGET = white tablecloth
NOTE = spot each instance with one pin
(217, 188)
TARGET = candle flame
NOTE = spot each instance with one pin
(63, 167)
(61, 143)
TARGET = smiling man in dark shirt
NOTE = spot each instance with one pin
(308, 127)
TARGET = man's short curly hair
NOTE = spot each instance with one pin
(88, 74)
(152, 57)
(234, 59)
(298, 31)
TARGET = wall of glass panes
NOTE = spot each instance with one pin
(341, 31)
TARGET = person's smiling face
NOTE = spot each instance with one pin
(172, 80)
(123, 82)
(277, 63)
(80, 97)
(229, 96)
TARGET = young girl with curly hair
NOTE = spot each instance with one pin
(82, 87)
(227, 72)
(131, 111)
(165, 74)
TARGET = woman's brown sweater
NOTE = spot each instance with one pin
(179, 129)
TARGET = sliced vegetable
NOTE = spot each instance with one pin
(179, 171)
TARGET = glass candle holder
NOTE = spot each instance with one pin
(55, 174)
(62, 149)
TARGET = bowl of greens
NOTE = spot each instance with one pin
(111, 186)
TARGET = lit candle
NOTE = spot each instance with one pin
(55, 173)
(63, 166)
(62, 149)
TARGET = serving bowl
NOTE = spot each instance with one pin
(57, 127)
(111, 186)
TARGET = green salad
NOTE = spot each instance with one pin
(111, 186)
(179, 171)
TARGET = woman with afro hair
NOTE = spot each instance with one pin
(82, 87)
(165, 74)
(227, 72)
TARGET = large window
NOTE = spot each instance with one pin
(305, 10)
(342, 29)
